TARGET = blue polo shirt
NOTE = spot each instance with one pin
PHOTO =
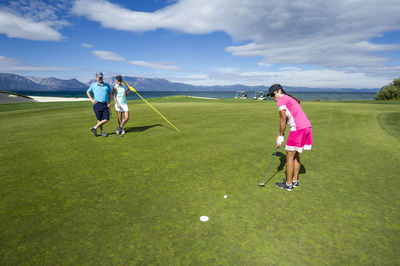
(100, 92)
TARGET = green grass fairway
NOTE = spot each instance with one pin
(67, 197)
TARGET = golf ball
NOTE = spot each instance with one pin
(204, 218)
(225, 196)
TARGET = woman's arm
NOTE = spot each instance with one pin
(282, 126)
(282, 123)
(115, 96)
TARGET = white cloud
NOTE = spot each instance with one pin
(86, 45)
(34, 19)
(39, 10)
(107, 55)
(261, 64)
(320, 78)
(15, 26)
(227, 69)
(334, 34)
(193, 16)
(111, 56)
(155, 65)
(290, 68)
(12, 65)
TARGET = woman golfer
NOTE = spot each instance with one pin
(121, 106)
(300, 136)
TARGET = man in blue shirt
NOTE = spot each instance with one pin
(101, 103)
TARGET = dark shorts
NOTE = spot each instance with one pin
(101, 111)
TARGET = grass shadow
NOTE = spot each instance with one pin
(142, 128)
(390, 122)
(282, 159)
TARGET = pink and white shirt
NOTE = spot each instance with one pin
(297, 119)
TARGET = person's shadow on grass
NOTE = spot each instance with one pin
(282, 159)
(142, 128)
(137, 129)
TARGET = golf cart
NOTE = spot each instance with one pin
(259, 95)
(241, 95)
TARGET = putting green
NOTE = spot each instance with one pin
(67, 197)
(390, 122)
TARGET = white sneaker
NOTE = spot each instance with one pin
(118, 131)
(122, 132)
(294, 183)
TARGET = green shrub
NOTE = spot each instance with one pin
(390, 91)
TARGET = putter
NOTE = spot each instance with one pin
(263, 183)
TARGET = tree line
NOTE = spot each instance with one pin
(390, 91)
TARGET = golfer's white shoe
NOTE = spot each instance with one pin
(294, 183)
(284, 186)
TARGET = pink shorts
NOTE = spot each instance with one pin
(299, 140)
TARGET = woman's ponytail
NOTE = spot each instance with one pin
(290, 95)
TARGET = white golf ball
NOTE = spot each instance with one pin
(225, 196)
(204, 218)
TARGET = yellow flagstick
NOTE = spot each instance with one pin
(132, 89)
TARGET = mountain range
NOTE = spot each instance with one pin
(13, 82)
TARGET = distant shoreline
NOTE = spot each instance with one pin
(12, 97)
(56, 96)
(44, 99)
(198, 97)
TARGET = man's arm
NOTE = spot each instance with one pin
(109, 99)
(90, 97)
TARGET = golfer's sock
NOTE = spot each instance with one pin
(288, 184)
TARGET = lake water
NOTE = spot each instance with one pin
(304, 96)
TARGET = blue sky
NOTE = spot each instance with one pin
(325, 44)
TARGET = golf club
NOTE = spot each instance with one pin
(263, 183)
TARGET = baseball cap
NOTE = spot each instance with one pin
(273, 89)
(99, 75)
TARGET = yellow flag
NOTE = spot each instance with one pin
(132, 89)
